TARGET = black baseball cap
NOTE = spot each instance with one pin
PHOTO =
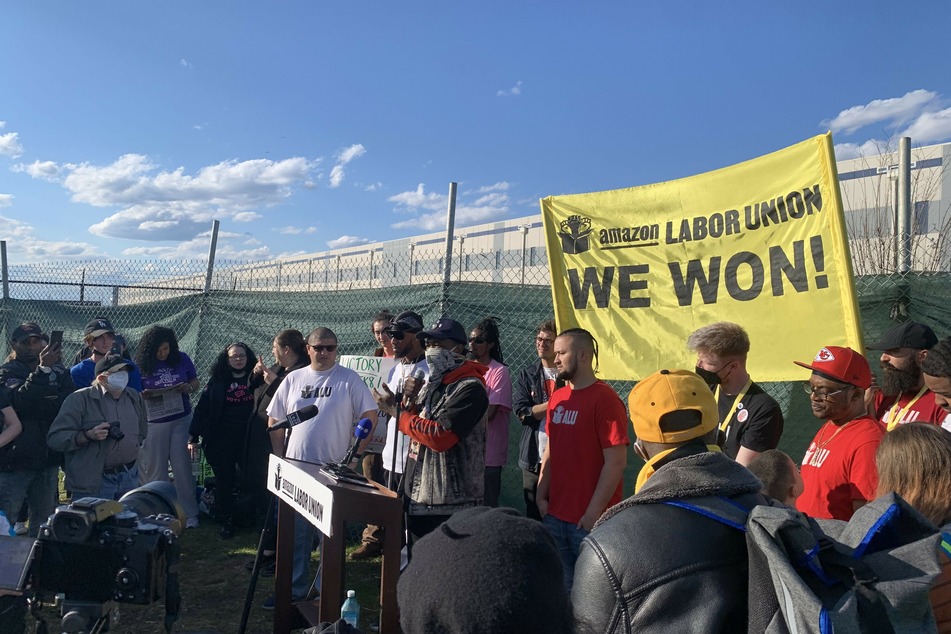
(407, 321)
(910, 334)
(445, 328)
(98, 327)
(110, 363)
(26, 330)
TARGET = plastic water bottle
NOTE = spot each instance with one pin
(350, 611)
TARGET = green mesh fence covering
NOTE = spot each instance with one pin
(250, 305)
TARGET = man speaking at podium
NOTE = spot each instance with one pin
(341, 397)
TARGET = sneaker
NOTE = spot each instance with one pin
(366, 551)
(20, 528)
(268, 604)
(191, 522)
(266, 567)
(226, 531)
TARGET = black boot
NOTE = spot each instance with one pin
(227, 529)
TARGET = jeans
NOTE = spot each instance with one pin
(529, 487)
(168, 442)
(115, 485)
(567, 538)
(493, 485)
(303, 544)
(39, 487)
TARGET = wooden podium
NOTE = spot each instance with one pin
(306, 494)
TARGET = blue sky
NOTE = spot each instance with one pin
(128, 126)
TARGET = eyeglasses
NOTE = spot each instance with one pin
(544, 342)
(820, 393)
(396, 335)
(477, 340)
(327, 348)
(237, 356)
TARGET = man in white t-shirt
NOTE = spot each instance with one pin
(342, 399)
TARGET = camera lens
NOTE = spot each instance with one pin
(155, 498)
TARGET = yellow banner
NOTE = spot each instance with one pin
(762, 244)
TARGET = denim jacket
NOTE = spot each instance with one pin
(444, 482)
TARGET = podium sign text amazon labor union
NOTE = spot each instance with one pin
(312, 500)
(761, 243)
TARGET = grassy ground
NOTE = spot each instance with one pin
(214, 583)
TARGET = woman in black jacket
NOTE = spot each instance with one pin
(221, 420)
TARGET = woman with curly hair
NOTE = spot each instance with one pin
(168, 377)
(221, 420)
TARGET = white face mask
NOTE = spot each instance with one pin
(117, 381)
(440, 360)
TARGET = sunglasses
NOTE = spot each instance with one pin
(328, 348)
(477, 340)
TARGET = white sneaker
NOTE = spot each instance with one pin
(191, 522)
(20, 528)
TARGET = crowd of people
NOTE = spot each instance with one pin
(596, 561)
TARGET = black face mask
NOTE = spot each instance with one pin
(712, 379)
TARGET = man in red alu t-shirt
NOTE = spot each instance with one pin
(583, 464)
(838, 470)
(904, 397)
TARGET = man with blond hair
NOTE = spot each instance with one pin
(750, 420)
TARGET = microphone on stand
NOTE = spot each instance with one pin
(296, 418)
(360, 432)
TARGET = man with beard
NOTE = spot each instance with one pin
(583, 463)
(838, 470)
(903, 396)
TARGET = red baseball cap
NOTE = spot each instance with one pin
(841, 364)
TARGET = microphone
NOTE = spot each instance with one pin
(296, 418)
(361, 431)
(417, 377)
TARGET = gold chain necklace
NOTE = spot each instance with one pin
(822, 444)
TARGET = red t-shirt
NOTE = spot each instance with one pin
(581, 424)
(924, 409)
(840, 467)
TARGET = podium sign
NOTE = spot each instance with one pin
(310, 498)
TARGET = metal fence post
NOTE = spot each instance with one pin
(211, 254)
(904, 205)
(412, 247)
(524, 230)
(447, 265)
(4, 270)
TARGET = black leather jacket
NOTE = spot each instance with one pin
(651, 567)
(529, 390)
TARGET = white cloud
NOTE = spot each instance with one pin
(514, 91)
(490, 206)
(287, 255)
(348, 154)
(163, 205)
(6, 200)
(845, 151)
(197, 126)
(228, 248)
(346, 241)
(501, 186)
(337, 174)
(419, 198)
(372, 187)
(22, 242)
(310, 230)
(184, 63)
(288, 231)
(930, 127)
(895, 111)
(10, 142)
(45, 170)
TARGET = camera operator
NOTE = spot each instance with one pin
(100, 429)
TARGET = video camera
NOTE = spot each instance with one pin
(93, 553)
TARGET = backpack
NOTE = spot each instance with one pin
(870, 574)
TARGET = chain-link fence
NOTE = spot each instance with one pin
(250, 302)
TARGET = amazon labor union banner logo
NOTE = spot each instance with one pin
(762, 244)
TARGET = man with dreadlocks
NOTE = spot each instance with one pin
(583, 463)
(485, 348)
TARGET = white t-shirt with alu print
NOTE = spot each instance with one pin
(341, 397)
